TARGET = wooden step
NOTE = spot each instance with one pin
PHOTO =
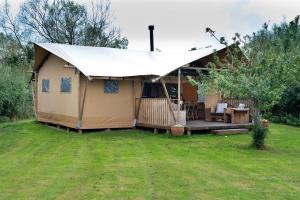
(229, 131)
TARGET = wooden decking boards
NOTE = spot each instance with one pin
(201, 125)
(229, 131)
(204, 125)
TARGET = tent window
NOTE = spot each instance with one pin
(65, 84)
(111, 86)
(45, 85)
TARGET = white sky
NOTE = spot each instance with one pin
(180, 24)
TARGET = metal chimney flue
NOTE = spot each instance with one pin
(151, 28)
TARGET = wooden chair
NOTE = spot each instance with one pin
(213, 115)
(189, 108)
(227, 115)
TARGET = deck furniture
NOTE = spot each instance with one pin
(216, 115)
(189, 108)
(194, 110)
(237, 115)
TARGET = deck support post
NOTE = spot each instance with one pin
(178, 97)
(168, 98)
(140, 101)
(189, 132)
(155, 130)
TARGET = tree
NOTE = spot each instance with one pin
(64, 21)
(271, 62)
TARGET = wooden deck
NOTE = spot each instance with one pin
(205, 125)
(200, 125)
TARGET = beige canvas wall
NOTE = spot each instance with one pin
(102, 110)
(212, 98)
(55, 106)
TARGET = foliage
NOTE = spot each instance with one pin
(286, 118)
(14, 56)
(267, 63)
(15, 96)
(289, 103)
(64, 21)
(259, 133)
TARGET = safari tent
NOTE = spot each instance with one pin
(84, 87)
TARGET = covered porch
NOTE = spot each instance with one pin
(172, 99)
(157, 113)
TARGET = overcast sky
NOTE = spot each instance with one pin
(180, 24)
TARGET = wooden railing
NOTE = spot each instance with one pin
(236, 102)
(155, 111)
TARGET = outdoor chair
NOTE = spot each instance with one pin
(217, 114)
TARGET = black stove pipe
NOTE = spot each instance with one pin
(151, 28)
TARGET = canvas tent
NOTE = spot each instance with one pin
(95, 87)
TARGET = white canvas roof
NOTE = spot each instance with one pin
(111, 62)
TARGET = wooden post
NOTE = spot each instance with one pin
(82, 105)
(189, 132)
(33, 97)
(140, 100)
(178, 97)
(168, 98)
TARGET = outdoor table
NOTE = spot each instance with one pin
(240, 115)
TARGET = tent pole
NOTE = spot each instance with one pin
(36, 93)
(168, 98)
(178, 97)
(82, 106)
(133, 97)
(140, 100)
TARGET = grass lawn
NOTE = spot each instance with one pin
(37, 162)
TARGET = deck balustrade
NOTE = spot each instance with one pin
(155, 111)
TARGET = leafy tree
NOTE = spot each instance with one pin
(64, 21)
(271, 63)
(289, 103)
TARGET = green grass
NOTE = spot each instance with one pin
(37, 162)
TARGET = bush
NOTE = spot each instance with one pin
(259, 136)
(15, 94)
(4, 119)
(288, 119)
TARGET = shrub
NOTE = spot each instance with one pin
(4, 119)
(15, 94)
(286, 118)
(259, 136)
